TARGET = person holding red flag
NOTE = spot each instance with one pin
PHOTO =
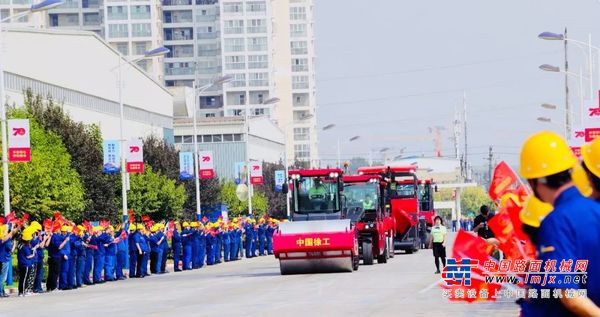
(546, 161)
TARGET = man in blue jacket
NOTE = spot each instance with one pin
(176, 247)
(195, 238)
(186, 243)
(57, 242)
(110, 258)
(133, 251)
(165, 249)
(122, 246)
(262, 237)
(71, 276)
(81, 257)
(270, 231)
(201, 245)
(89, 257)
(226, 243)
(65, 255)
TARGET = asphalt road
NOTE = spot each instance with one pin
(254, 287)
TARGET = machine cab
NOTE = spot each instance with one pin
(364, 198)
(316, 194)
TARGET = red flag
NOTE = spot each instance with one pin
(88, 226)
(56, 226)
(145, 218)
(1, 220)
(104, 223)
(170, 229)
(25, 217)
(514, 211)
(10, 218)
(48, 225)
(503, 180)
(131, 216)
(123, 235)
(57, 215)
(503, 229)
(467, 245)
(76, 230)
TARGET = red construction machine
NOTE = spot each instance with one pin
(411, 203)
(364, 205)
(318, 239)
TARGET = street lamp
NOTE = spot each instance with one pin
(197, 91)
(549, 106)
(550, 68)
(159, 51)
(38, 7)
(328, 127)
(544, 119)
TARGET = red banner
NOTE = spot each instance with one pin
(19, 146)
(256, 177)
(135, 156)
(206, 165)
(503, 180)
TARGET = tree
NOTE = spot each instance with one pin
(237, 207)
(155, 195)
(275, 200)
(164, 158)
(472, 198)
(48, 183)
(84, 144)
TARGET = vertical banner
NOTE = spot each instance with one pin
(256, 177)
(577, 138)
(186, 166)
(19, 147)
(240, 173)
(591, 120)
(112, 157)
(279, 180)
(206, 166)
(135, 156)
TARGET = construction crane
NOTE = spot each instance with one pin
(437, 138)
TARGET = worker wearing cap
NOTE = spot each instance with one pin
(25, 257)
(218, 242)
(546, 162)
(99, 254)
(133, 251)
(249, 237)
(270, 230)
(81, 256)
(176, 246)
(590, 153)
(65, 254)
(201, 245)
(89, 256)
(122, 245)
(186, 245)
(226, 238)
(41, 240)
(57, 241)
(255, 235)
(195, 243)
(155, 250)
(210, 244)
(73, 241)
(6, 249)
(110, 259)
(165, 249)
(145, 251)
(262, 236)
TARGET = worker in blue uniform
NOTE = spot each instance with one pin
(218, 243)
(262, 237)
(154, 250)
(71, 275)
(89, 257)
(546, 162)
(201, 245)
(270, 230)
(249, 235)
(145, 249)
(65, 253)
(57, 242)
(226, 238)
(110, 258)
(42, 241)
(81, 256)
(133, 251)
(195, 244)
(122, 246)
(165, 250)
(176, 247)
(210, 245)
(186, 244)
(99, 253)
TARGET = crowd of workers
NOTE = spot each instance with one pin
(85, 255)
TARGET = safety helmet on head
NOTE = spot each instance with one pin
(590, 152)
(581, 181)
(545, 153)
(534, 211)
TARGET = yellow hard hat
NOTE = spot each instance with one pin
(194, 224)
(186, 224)
(534, 211)
(111, 228)
(140, 226)
(36, 225)
(2, 229)
(200, 225)
(545, 153)
(590, 152)
(28, 233)
(581, 181)
(154, 228)
(64, 228)
(132, 227)
(81, 228)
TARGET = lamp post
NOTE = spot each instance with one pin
(247, 128)
(548, 120)
(159, 51)
(197, 92)
(38, 7)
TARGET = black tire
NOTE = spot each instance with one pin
(367, 250)
(355, 262)
(409, 251)
(382, 258)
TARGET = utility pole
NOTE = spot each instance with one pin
(490, 163)
(567, 106)
(465, 135)
(456, 137)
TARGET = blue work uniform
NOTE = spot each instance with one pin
(240, 244)
(226, 237)
(71, 279)
(5, 259)
(133, 253)
(54, 261)
(201, 248)
(146, 253)
(569, 232)
(121, 259)
(195, 248)
(186, 242)
(65, 258)
(155, 253)
(89, 259)
(176, 247)
(39, 266)
(218, 246)
(80, 261)
(99, 256)
(255, 242)
(24, 264)
(262, 239)
(270, 231)
(165, 252)
(210, 248)
(249, 231)
(110, 259)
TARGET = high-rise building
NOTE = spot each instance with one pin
(266, 45)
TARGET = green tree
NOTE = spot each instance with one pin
(236, 207)
(472, 198)
(84, 144)
(275, 200)
(48, 183)
(155, 195)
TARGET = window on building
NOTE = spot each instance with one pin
(260, 98)
(236, 112)
(258, 61)
(299, 47)
(257, 44)
(301, 134)
(258, 111)
(233, 26)
(227, 137)
(141, 29)
(123, 48)
(235, 62)
(207, 138)
(117, 13)
(238, 137)
(188, 139)
(302, 151)
(242, 99)
(233, 7)
(257, 26)
(256, 6)
(118, 30)
(178, 139)
(297, 30)
(234, 45)
(258, 79)
(239, 80)
(209, 115)
(217, 138)
(140, 12)
(91, 19)
(297, 13)
(140, 47)
(300, 82)
(299, 64)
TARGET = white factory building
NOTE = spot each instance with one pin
(80, 71)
